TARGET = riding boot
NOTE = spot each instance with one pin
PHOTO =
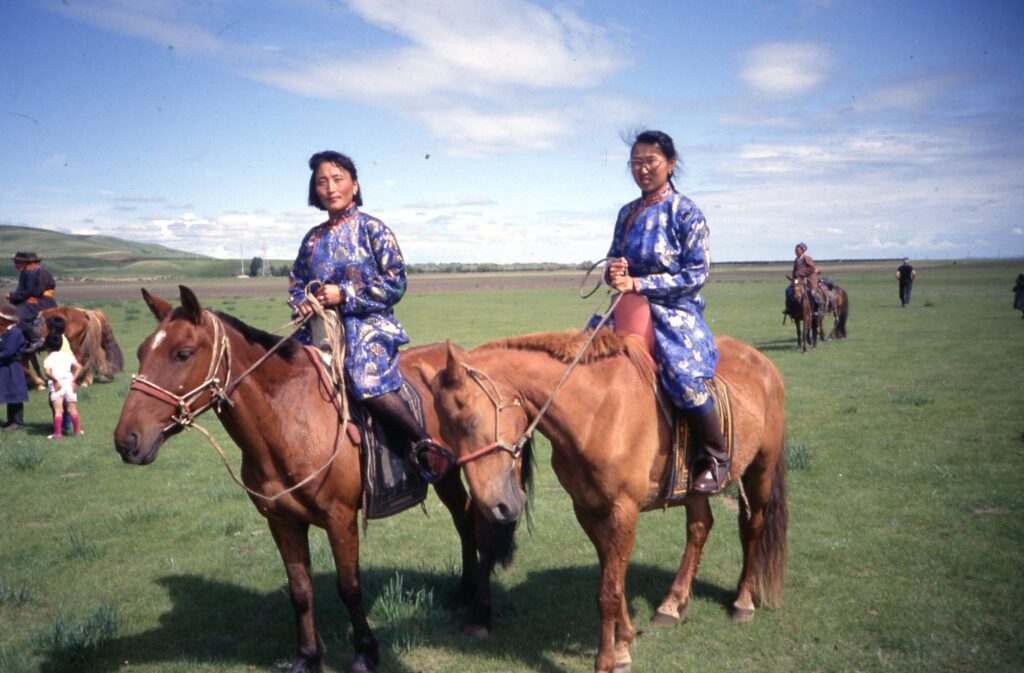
(712, 463)
(433, 459)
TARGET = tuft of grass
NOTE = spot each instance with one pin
(798, 457)
(15, 595)
(75, 640)
(909, 397)
(23, 458)
(848, 410)
(408, 611)
(80, 547)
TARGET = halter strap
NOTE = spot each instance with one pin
(494, 395)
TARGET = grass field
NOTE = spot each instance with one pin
(906, 449)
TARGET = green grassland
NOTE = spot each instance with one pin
(906, 514)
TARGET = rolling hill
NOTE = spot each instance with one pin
(106, 256)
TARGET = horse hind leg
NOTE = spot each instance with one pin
(762, 524)
(699, 521)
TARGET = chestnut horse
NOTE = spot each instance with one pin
(800, 308)
(92, 341)
(610, 450)
(286, 424)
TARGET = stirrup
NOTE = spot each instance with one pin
(709, 480)
(433, 460)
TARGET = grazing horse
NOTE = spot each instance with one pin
(610, 451)
(800, 308)
(92, 341)
(276, 407)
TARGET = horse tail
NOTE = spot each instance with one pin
(114, 357)
(90, 349)
(772, 547)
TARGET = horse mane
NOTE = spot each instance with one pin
(258, 336)
(564, 346)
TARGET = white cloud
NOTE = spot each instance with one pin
(785, 70)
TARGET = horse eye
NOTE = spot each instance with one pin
(181, 356)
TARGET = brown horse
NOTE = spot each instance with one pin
(800, 308)
(610, 450)
(838, 305)
(92, 341)
(286, 423)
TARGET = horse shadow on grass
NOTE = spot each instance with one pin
(549, 616)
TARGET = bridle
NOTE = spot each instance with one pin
(515, 449)
(186, 415)
(492, 392)
(185, 418)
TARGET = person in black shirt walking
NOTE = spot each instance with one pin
(906, 274)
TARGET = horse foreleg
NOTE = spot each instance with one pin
(454, 497)
(292, 541)
(699, 522)
(30, 363)
(343, 534)
(613, 536)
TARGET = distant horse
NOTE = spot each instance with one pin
(285, 420)
(800, 308)
(92, 341)
(610, 449)
(838, 304)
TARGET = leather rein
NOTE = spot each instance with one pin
(220, 394)
(515, 449)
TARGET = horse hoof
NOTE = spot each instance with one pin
(664, 618)
(742, 614)
(475, 631)
(362, 664)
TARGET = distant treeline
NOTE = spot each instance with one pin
(273, 269)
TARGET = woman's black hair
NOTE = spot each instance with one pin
(339, 160)
(662, 140)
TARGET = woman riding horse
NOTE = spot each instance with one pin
(660, 251)
(356, 267)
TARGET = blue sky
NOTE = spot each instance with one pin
(491, 130)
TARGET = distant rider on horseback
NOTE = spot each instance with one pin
(33, 295)
(804, 267)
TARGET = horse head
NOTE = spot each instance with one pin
(173, 361)
(483, 422)
(799, 286)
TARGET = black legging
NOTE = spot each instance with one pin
(391, 409)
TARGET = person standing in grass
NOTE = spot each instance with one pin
(62, 369)
(906, 275)
(13, 390)
(56, 325)
(660, 251)
(1018, 294)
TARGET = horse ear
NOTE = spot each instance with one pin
(454, 372)
(193, 311)
(157, 306)
(426, 372)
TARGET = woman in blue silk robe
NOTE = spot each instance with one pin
(358, 270)
(660, 250)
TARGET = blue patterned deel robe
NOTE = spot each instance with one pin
(667, 249)
(358, 253)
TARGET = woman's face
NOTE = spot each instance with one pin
(649, 167)
(334, 187)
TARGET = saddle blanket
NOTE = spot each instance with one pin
(680, 473)
(391, 481)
